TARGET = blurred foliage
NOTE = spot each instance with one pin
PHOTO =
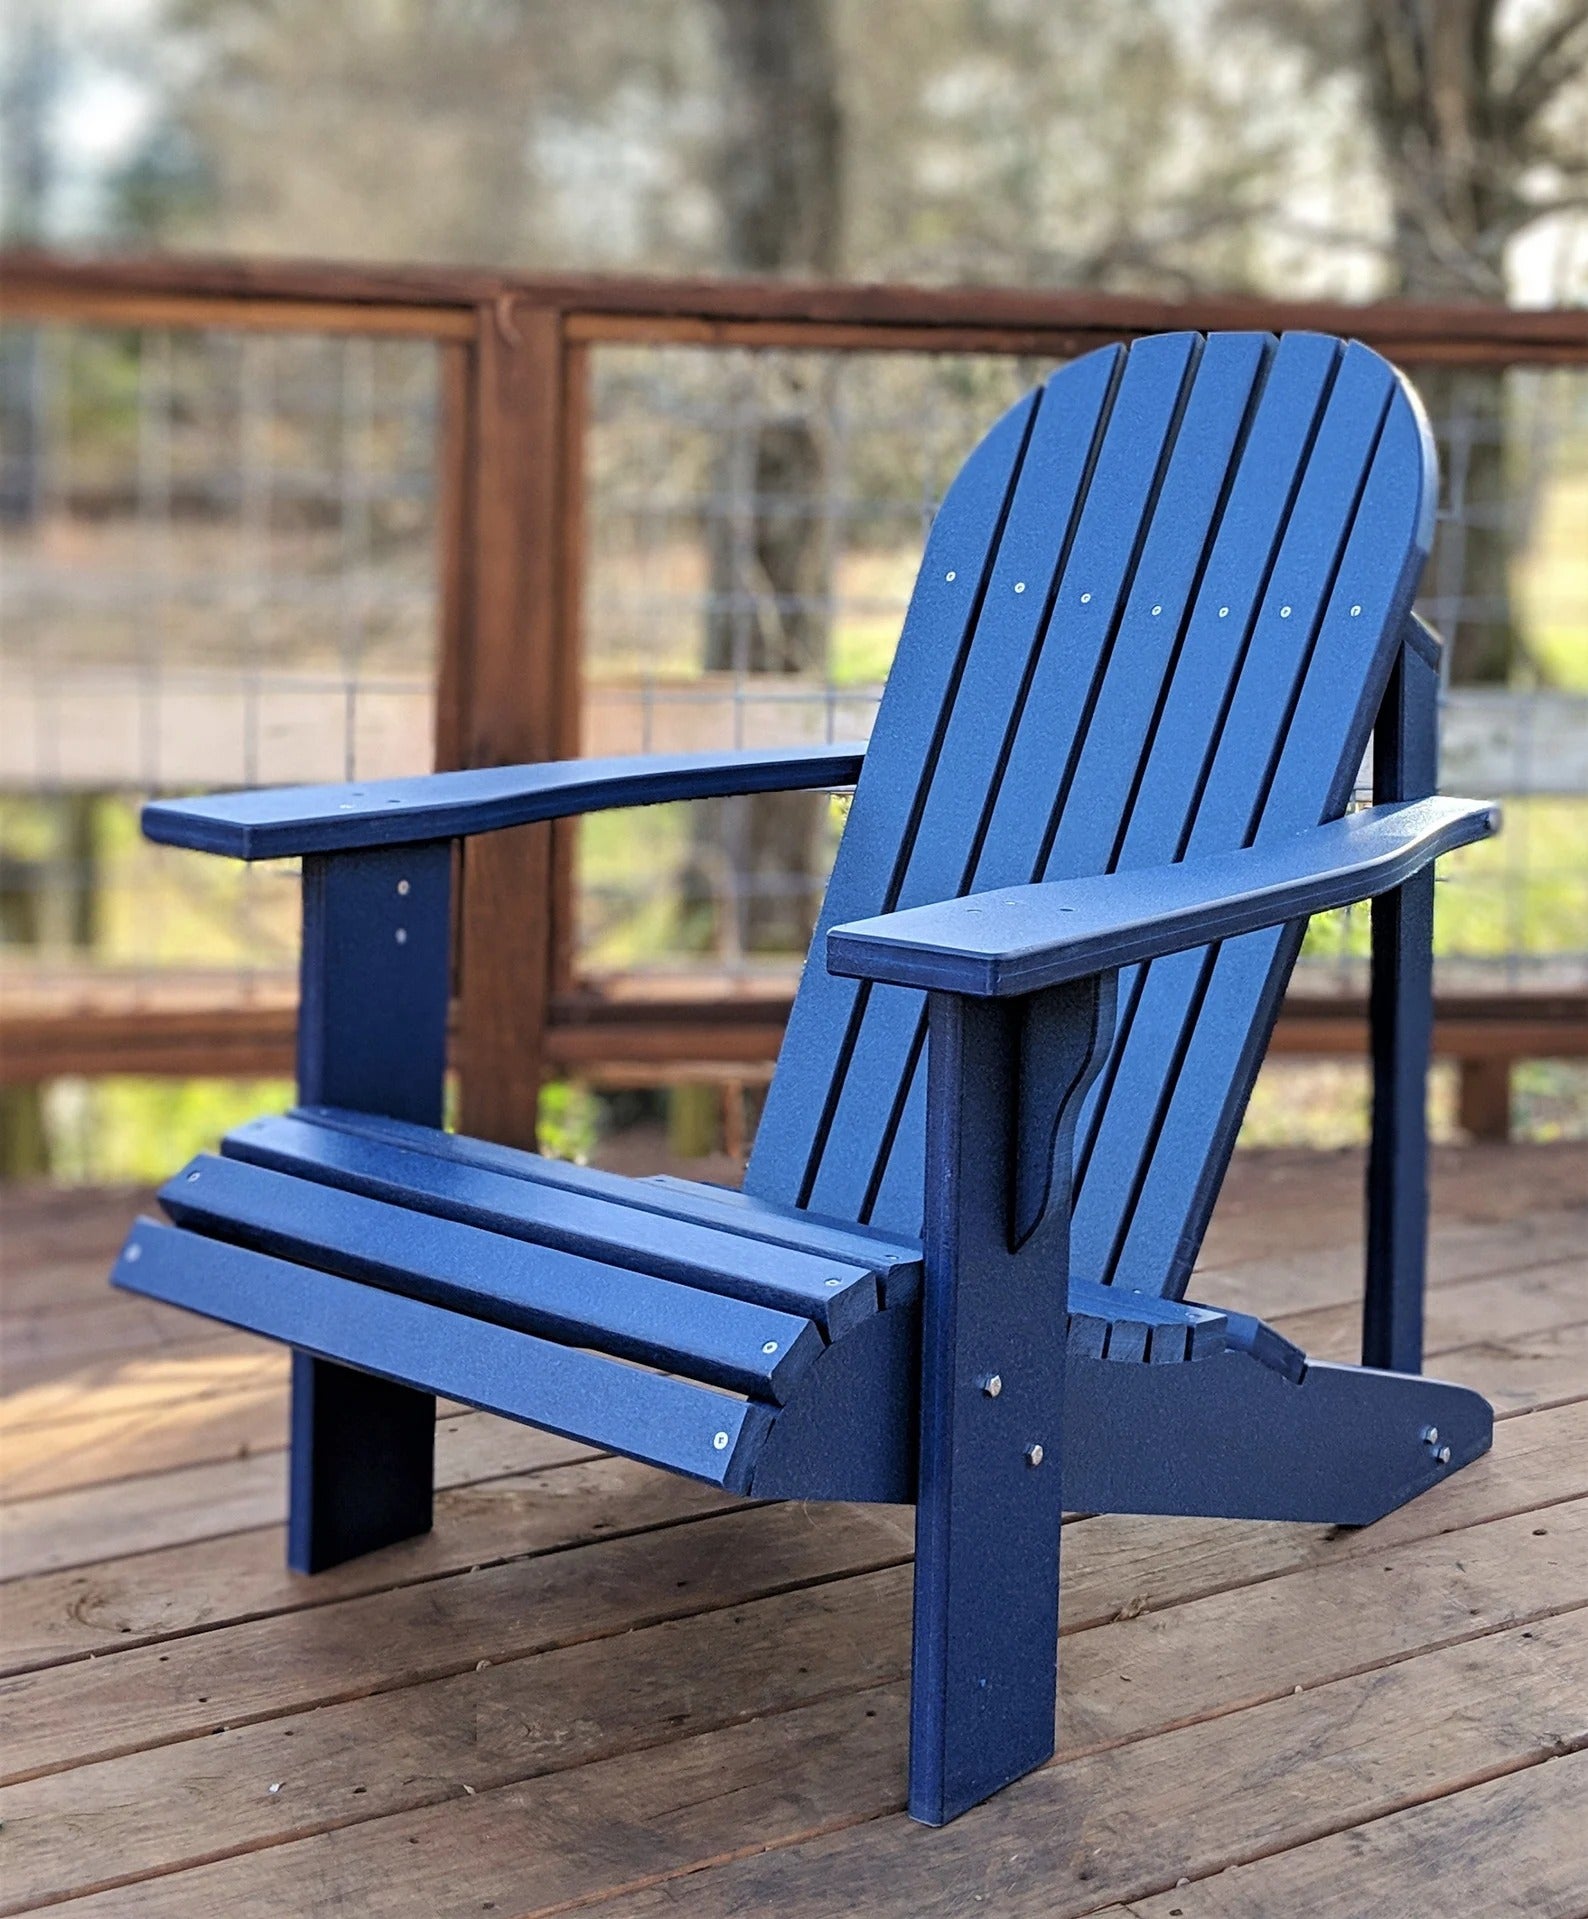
(569, 1121)
(140, 1130)
(1278, 145)
(137, 1130)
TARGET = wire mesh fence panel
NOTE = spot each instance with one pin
(1507, 589)
(754, 523)
(754, 520)
(216, 569)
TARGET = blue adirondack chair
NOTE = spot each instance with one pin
(1159, 612)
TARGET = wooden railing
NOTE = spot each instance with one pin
(514, 362)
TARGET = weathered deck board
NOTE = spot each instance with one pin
(117, 1604)
(1537, 1369)
(1112, 1825)
(1515, 1843)
(690, 1705)
(1124, 1680)
(1088, 1829)
(91, 1523)
(93, 1708)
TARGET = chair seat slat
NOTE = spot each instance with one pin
(893, 1259)
(835, 1294)
(651, 1416)
(582, 1301)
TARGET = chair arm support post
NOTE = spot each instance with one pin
(372, 1030)
(374, 980)
(1005, 1080)
(1400, 1014)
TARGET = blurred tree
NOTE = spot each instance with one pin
(1478, 128)
(495, 131)
(28, 91)
(1050, 141)
(1072, 144)
(1464, 96)
(780, 163)
(31, 80)
(1479, 116)
(779, 178)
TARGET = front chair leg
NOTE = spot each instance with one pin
(371, 1036)
(1004, 1082)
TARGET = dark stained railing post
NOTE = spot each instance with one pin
(515, 701)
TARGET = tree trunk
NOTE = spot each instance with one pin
(1438, 115)
(768, 609)
(1469, 576)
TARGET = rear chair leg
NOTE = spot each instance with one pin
(1004, 1082)
(1405, 767)
(363, 1463)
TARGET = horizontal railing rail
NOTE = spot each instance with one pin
(447, 302)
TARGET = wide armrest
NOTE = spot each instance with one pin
(280, 821)
(1022, 938)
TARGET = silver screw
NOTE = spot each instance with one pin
(834, 1282)
(1034, 1455)
(402, 935)
(133, 1254)
(1020, 586)
(770, 1346)
(951, 575)
(1284, 612)
(403, 888)
(1355, 612)
(1157, 609)
(992, 1385)
(1224, 612)
(1086, 599)
(720, 1442)
(191, 1177)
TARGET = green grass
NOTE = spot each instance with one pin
(1525, 892)
(1551, 584)
(138, 1130)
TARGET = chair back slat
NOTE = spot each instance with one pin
(1156, 616)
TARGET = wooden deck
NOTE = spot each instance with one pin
(594, 1687)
